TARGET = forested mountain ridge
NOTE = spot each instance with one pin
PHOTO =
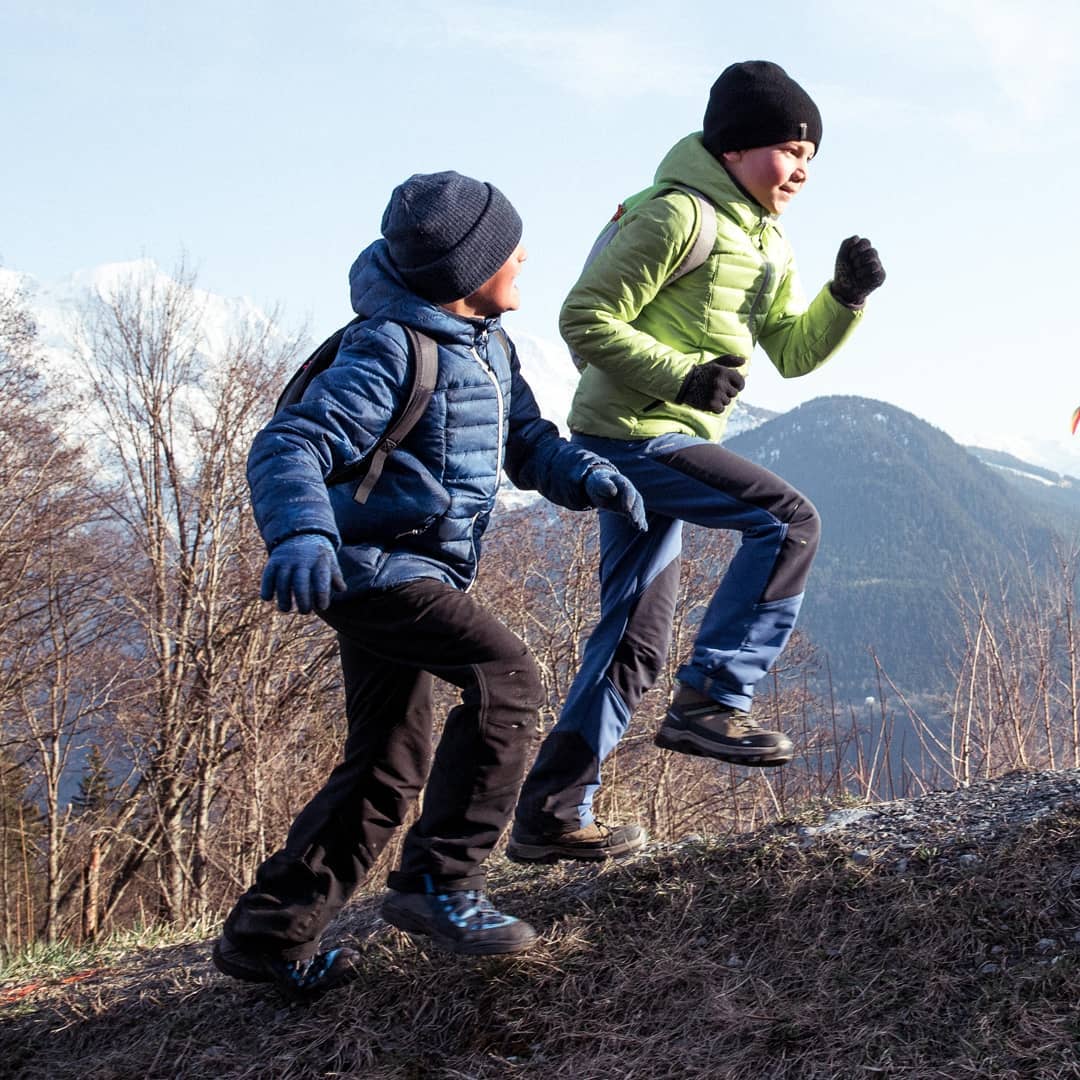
(909, 517)
(1059, 494)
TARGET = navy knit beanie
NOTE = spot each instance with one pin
(447, 234)
(756, 103)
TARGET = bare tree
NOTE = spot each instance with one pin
(51, 615)
(1014, 699)
(177, 421)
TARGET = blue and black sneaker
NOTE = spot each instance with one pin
(463, 921)
(299, 980)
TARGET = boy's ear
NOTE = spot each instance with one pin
(732, 155)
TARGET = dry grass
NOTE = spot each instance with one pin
(749, 957)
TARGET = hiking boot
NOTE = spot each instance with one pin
(463, 921)
(591, 843)
(696, 724)
(300, 980)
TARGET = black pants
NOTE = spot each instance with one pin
(391, 644)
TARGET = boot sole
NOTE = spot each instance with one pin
(686, 742)
(417, 928)
(552, 853)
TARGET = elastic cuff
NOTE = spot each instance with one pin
(330, 538)
(697, 680)
(849, 304)
(265, 945)
(602, 465)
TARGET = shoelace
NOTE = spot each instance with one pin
(736, 718)
(472, 910)
(745, 723)
(307, 973)
(601, 828)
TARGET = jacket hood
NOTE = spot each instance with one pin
(377, 291)
(689, 163)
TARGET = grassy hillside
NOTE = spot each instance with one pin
(930, 939)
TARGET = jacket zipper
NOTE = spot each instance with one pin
(499, 394)
(766, 281)
(475, 552)
(498, 455)
(415, 532)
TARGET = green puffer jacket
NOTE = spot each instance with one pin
(638, 340)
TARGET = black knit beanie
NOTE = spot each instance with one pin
(447, 234)
(756, 103)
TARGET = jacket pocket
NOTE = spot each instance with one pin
(406, 501)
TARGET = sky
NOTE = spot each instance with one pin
(259, 143)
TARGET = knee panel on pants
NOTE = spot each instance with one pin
(805, 523)
(797, 550)
(511, 686)
(640, 655)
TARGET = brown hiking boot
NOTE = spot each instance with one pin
(695, 724)
(591, 843)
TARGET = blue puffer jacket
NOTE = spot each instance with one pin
(427, 513)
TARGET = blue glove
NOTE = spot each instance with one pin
(607, 489)
(304, 568)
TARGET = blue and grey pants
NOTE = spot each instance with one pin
(746, 624)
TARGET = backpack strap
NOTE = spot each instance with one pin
(504, 339)
(425, 370)
(700, 250)
(696, 254)
(318, 361)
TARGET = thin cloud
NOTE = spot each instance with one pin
(1030, 49)
(613, 57)
(1025, 53)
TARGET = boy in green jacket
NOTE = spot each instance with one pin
(662, 363)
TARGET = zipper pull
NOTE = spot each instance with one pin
(480, 346)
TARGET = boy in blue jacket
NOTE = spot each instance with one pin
(391, 575)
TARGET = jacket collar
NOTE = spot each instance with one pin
(689, 163)
(378, 291)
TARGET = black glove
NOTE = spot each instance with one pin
(712, 386)
(858, 271)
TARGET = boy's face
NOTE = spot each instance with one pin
(774, 175)
(498, 294)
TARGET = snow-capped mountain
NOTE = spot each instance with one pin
(60, 308)
(65, 313)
